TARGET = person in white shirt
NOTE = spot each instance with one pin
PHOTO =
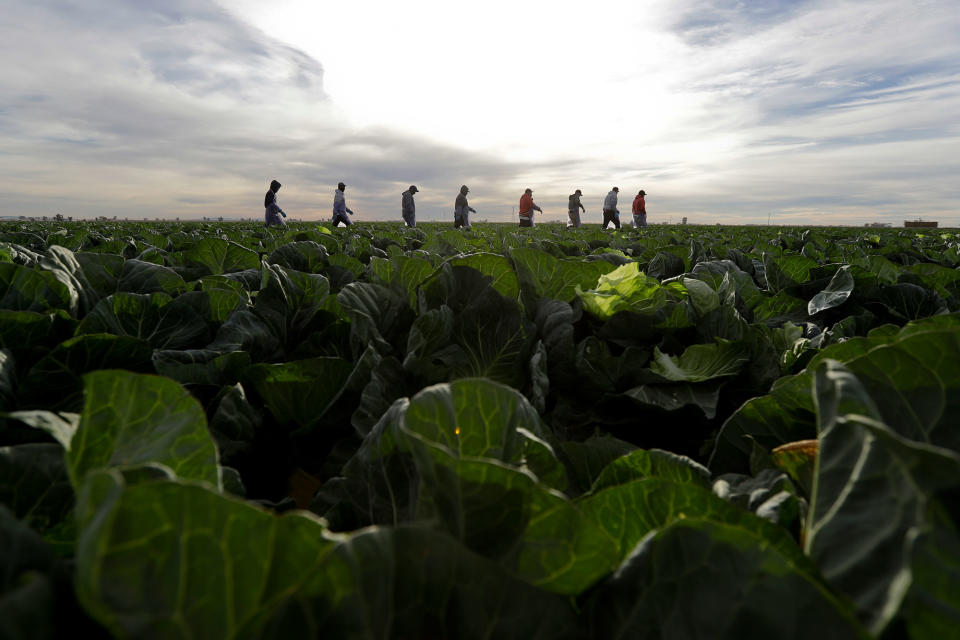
(340, 208)
(610, 211)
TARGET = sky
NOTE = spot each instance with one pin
(788, 112)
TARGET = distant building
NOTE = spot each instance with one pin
(925, 224)
(877, 224)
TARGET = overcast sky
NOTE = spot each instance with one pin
(805, 112)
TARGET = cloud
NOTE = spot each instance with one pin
(127, 109)
(716, 22)
(723, 111)
(832, 108)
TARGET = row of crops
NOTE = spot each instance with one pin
(226, 431)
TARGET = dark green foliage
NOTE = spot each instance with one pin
(552, 433)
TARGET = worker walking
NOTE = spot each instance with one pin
(462, 209)
(340, 208)
(610, 211)
(409, 207)
(574, 208)
(272, 210)
(640, 210)
(527, 207)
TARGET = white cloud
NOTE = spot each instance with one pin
(187, 111)
(722, 110)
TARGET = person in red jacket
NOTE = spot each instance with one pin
(527, 207)
(640, 210)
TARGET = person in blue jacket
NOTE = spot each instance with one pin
(409, 207)
(272, 210)
(340, 208)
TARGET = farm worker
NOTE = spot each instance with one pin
(340, 209)
(610, 211)
(527, 207)
(409, 206)
(574, 208)
(272, 210)
(462, 210)
(640, 210)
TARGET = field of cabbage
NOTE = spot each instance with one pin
(219, 430)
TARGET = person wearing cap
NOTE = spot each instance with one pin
(272, 210)
(462, 210)
(340, 208)
(574, 208)
(639, 210)
(610, 211)
(409, 208)
(527, 207)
